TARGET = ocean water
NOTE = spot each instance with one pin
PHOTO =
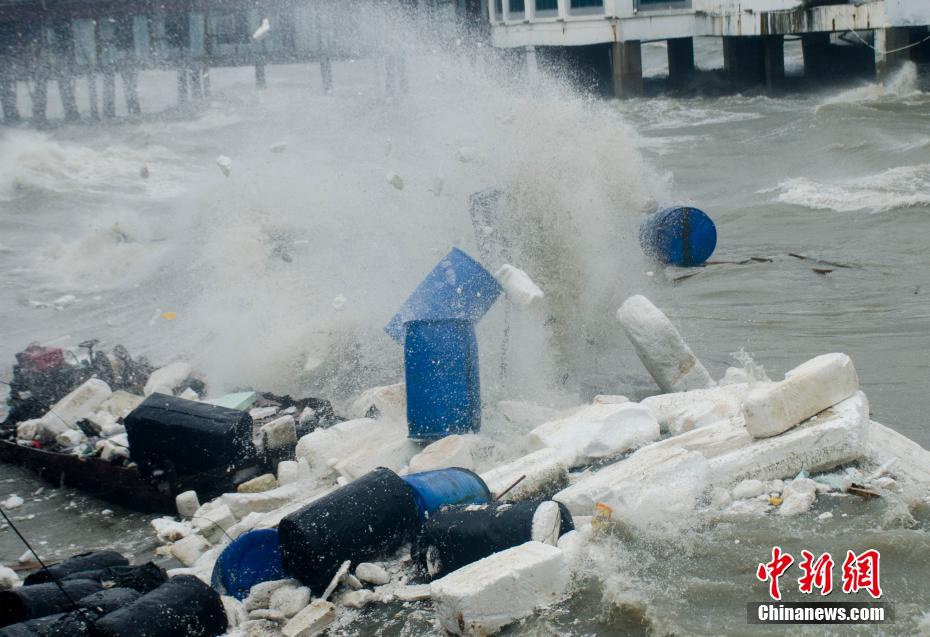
(303, 255)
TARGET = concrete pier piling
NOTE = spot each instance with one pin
(627, 68)
(892, 49)
(680, 61)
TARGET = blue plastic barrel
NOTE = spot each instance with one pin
(441, 373)
(251, 559)
(435, 489)
(458, 287)
(682, 236)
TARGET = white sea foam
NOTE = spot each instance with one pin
(892, 189)
(900, 85)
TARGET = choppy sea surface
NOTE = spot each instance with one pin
(304, 254)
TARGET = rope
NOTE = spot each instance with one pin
(903, 48)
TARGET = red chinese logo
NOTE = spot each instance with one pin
(771, 571)
(860, 572)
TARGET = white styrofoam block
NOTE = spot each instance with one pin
(101, 420)
(323, 448)
(241, 504)
(484, 596)
(748, 489)
(660, 347)
(289, 600)
(167, 377)
(390, 401)
(806, 390)
(8, 578)
(372, 573)
(311, 620)
(393, 454)
(187, 504)
(280, 433)
(905, 459)
(518, 285)
(833, 437)
(169, 530)
(189, 549)
(27, 429)
(212, 518)
(542, 469)
(288, 472)
(412, 593)
(260, 594)
(71, 438)
(451, 451)
(262, 30)
(597, 431)
(77, 405)
(547, 522)
(651, 487)
(679, 412)
(120, 403)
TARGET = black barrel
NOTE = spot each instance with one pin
(363, 520)
(182, 606)
(39, 600)
(142, 578)
(109, 600)
(187, 437)
(77, 623)
(91, 561)
(458, 535)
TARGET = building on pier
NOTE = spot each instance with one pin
(605, 36)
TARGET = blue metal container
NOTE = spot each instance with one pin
(458, 287)
(441, 372)
(681, 236)
(435, 489)
(251, 559)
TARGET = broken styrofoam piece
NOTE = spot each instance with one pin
(8, 578)
(213, 518)
(748, 489)
(836, 436)
(189, 549)
(451, 451)
(372, 573)
(526, 414)
(393, 454)
(187, 504)
(27, 429)
(13, 502)
(905, 459)
(111, 451)
(260, 413)
(660, 347)
(120, 403)
(484, 596)
(244, 525)
(77, 405)
(225, 164)
(651, 487)
(166, 379)
(101, 420)
(412, 593)
(288, 472)
(596, 431)
(189, 394)
(542, 469)
(71, 438)
(518, 285)
(262, 30)
(289, 600)
(322, 448)
(387, 402)
(260, 594)
(169, 530)
(547, 522)
(259, 484)
(338, 578)
(806, 390)
(280, 433)
(241, 504)
(311, 621)
(683, 411)
(798, 496)
(357, 599)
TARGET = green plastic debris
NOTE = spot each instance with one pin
(242, 400)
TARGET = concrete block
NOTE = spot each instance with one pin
(485, 596)
(660, 347)
(189, 549)
(167, 378)
(597, 431)
(543, 470)
(280, 433)
(518, 285)
(311, 621)
(806, 390)
(451, 451)
(836, 436)
(187, 504)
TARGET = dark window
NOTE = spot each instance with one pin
(517, 6)
(231, 28)
(498, 7)
(583, 4)
(547, 5)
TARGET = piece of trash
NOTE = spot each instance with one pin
(682, 236)
(395, 180)
(820, 261)
(278, 147)
(339, 302)
(602, 515)
(262, 30)
(12, 502)
(466, 154)
(225, 164)
(169, 316)
(518, 285)
(822, 270)
(775, 500)
(144, 172)
(862, 491)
